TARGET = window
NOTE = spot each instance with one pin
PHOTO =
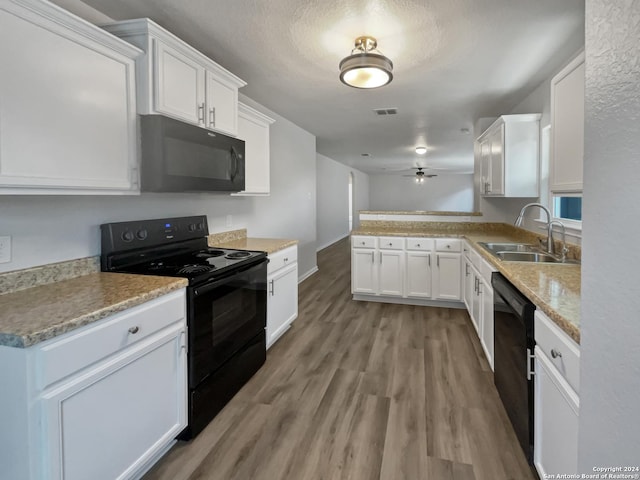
(569, 208)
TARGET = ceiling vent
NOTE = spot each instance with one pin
(385, 111)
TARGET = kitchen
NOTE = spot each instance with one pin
(64, 222)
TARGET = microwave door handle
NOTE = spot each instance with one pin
(234, 157)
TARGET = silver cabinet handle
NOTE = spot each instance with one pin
(201, 113)
(212, 121)
(134, 330)
(556, 353)
(466, 269)
(380, 258)
(286, 259)
(429, 260)
(390, 244)
(213, 109)
(418, 245)
(476, 283)
(272, 288)
(362, 243)
(372, 258)
(438, 260)
(479, 287)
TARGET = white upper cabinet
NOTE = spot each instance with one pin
(567, 127)
(67, 104)
(253, 128)
(178, 81)
(509, 153)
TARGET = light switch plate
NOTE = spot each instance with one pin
(5, 249)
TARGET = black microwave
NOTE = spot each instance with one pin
(180, 157)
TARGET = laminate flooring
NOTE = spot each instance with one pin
(360, 390)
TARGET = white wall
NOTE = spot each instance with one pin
(332, 184)
(610, 330)
(445, 192)
(48, 229)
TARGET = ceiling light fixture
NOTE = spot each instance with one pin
(366, 67)
(421, 150)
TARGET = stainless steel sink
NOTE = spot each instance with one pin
(508, 247)
(527, 257)
(522, 252)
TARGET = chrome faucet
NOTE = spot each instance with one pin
(518, 222)
(565, 250)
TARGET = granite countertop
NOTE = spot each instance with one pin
(36, 314)
(554, 289)
(420, 212)
(269, 245)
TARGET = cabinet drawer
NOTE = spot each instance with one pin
(282, 258)
(552, 340)
(363, 242)
(448, 245)
(420, 244)
(391, 243)
(63, 356)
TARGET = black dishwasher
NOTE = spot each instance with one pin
(513, 358)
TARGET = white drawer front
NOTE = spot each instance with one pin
(466, 249)
(423, 244)
(282, 258)
(363, 242)
(448, 245)
(563, 352)
(65, 355)
(391, 243)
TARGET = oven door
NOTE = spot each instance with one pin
(225, 315)
(179, 157)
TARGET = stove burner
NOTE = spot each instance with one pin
(234, 255)
(195, 269)
(210, 254)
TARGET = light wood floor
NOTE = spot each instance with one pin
(360, 390)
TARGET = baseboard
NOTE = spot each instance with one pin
(322, 247)
(410, 301)
(306, 275)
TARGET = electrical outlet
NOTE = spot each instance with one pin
(229, 220)
(5, 249)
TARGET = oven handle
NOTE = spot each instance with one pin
(207, 287)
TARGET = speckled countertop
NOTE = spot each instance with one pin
(420, 212)
(36, 314)
(554, 289)
(238, 239)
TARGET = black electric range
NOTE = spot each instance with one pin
(226, 302)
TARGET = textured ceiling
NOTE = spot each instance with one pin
(454, 61)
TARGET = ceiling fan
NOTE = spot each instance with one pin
(420, 175)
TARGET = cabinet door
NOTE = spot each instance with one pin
(282, 305)
(496, 184)
(130, 407)
(179, 85)
(253, 128)
(447, 276)
(363, 272)
(486, 333)
(567, 127)
(222, 106)
(418, 281)
(391, 272)
(469, 290)
(485, 165)
(556, 421)
(476, 302)
(67, 109)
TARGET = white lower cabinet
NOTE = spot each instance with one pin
(105, 401)
(282, 295)
(419, 275)
(557, 404)
(414, 269)
(478, 296)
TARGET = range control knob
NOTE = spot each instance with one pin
(127, 236)
(200, 226)
(192, 227)
(141, 234)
